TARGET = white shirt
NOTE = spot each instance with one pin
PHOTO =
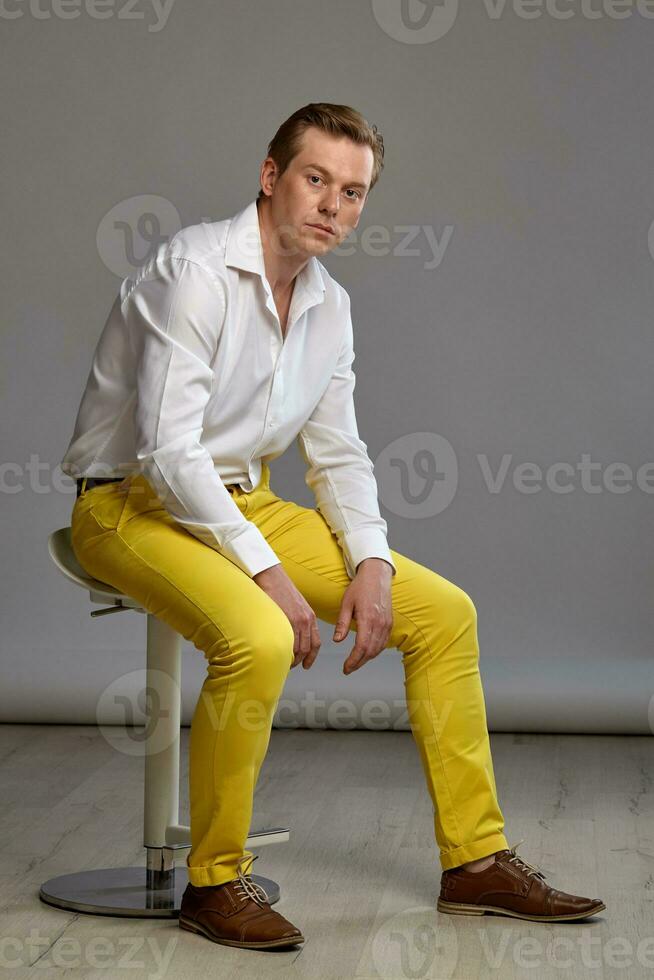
(193, 385)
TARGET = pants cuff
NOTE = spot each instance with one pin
(473, 851)
(218, 874)
(201, 877)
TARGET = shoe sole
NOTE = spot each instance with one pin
(270, 944)
(460, 908)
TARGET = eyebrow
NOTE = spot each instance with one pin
(323, 170)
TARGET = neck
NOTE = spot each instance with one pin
(281, 270)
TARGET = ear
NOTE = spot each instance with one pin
(268, 176)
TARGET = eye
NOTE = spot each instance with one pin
(357, 195)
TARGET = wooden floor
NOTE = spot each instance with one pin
(360, 874)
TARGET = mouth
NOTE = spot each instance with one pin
(326, 229)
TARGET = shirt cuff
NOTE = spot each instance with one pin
(250, 551)
(365, 542)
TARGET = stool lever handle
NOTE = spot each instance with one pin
(110, 609)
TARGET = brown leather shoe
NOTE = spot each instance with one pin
(236, 913)
(510, 886)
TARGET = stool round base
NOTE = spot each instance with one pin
(124, 892)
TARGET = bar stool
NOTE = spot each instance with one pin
(153, 891)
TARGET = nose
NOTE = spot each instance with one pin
(331, 205)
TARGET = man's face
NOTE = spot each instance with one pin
(326, 183)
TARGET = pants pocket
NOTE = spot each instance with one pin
(107, 504)
(139, 499)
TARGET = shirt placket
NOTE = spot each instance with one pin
(276, 398)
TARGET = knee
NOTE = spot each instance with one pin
(464, 609)
(271, 651)
(261, 656)
(459, 613)
(279, 646)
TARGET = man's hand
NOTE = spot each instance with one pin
(276, 583)
(368, 600)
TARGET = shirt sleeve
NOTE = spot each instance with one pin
(339, 470)
(174, 314)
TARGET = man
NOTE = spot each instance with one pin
(231, 342)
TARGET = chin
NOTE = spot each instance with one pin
(323, 242)
(314, 245)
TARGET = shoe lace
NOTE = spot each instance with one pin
(522, 865)
(248, 888)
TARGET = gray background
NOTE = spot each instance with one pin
(531, 140)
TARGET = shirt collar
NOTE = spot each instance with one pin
(243, 249)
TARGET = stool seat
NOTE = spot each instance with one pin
(61, 551)
(155, 890)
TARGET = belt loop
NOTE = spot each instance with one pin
(81, 493)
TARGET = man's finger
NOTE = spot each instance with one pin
(359, 650)
(368, 648)
(354, 664)
(344, 620)
(310, 659)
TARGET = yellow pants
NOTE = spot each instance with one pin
(122, 534)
